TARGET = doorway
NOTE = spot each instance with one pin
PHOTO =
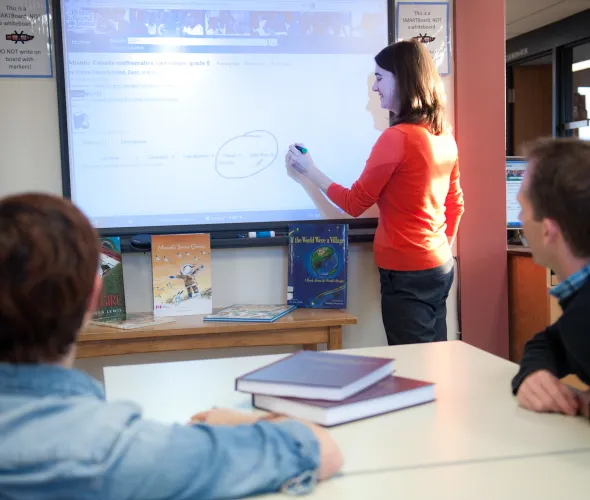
(530, 96)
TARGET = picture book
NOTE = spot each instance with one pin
(112, 298)
(131, 321)
(181, 269)
(318, 266)
(253, 313)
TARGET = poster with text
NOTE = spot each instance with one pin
(427, 22)
(25, 43)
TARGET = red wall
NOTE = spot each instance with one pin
(480, 130)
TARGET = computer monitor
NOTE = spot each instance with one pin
(515, 168)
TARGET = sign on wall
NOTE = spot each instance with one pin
(25, 43)
(427, 22)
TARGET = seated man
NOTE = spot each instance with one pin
(555, 202)
(60, 440)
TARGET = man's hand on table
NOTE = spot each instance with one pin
(542, 392)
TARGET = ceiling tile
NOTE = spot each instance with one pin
(543, 17)
(518, 9)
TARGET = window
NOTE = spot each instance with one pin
(581, 91)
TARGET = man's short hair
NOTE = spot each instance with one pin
(559, 188)
(49, 256)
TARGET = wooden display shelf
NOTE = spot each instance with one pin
(306, 327)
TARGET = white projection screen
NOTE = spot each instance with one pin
(179, 113)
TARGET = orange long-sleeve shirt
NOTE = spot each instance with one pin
(413, 177)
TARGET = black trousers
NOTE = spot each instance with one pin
(413, 304)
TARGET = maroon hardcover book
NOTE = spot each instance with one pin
(316, 375)
(390, 394)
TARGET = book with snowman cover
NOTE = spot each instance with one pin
(181, 269)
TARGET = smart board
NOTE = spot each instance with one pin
(181, 113)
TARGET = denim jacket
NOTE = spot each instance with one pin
(60, 440)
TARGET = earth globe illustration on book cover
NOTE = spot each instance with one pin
(324, 261)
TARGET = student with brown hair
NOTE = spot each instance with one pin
(412, 175)
(555, 206)
(60, 439)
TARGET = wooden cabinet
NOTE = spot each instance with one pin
(531, 308)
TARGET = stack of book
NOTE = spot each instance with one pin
(331, 389)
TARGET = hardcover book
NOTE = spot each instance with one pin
(318, 266)
(316, 375)
(252, 313)
(112, 299)
(181, 269)
(390, 394)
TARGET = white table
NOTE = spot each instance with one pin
(545, 477)
(474, 418)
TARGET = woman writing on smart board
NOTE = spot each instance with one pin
(412, 175)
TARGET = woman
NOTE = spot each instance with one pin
(412, 175)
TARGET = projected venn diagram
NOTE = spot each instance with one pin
(246, 155)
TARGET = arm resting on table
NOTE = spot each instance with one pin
(544, 351)
(156, 462)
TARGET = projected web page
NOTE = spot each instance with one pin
(182, 113)
(515, 170)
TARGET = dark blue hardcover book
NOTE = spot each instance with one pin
(318, 266)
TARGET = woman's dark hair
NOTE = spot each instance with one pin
(49, 256)
(420, 88)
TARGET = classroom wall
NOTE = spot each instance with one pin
(481, 135)
(31, 162)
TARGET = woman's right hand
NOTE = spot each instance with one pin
(302, 163)
(294, 174)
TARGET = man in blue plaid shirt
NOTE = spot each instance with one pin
(555, 213)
